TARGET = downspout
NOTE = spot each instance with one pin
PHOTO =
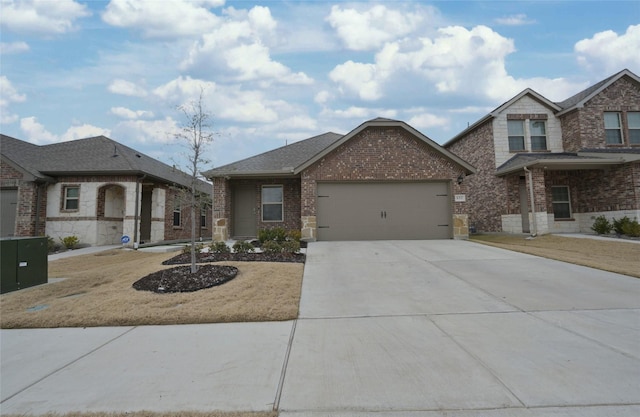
(533, 203)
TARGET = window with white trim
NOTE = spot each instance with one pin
(633, 119)
(272, 203)
(538, 132)
(561, 202)
(613, 128)
(71, 197)
(515, 130)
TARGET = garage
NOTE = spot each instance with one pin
(384, 210)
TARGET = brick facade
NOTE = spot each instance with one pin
(485, 201)
(495, 200)
(584, 128)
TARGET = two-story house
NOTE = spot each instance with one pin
(553, 167)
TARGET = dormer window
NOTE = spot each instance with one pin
(527, 131)
(538, 130)
(613, 128)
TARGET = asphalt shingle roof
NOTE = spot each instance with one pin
(91, 156)
(281, 160)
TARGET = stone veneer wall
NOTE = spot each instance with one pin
(382, 154)
(221, 209)
(487, 196)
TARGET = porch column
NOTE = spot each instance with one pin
(540, 203)
(221, 209)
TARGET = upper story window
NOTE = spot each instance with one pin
(203, 217)
(633, 118)
(516, 135)
(538, 129)
(613, 128)
(71, 197)
(272, 203)
(527, 131)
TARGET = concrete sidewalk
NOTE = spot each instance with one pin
(399, 329)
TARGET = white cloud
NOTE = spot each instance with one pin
(13, 47)
(35, 132)
(427, 120)
(359, 113)
(43, 17)
(239, 48)
(370, 29)
(322, 97)
(147, 131)
(163, 19)
(131, 114)
(183, 90)
(359, 78)
(126, 88)
(515, 20)
(8, 95)
(607, 52)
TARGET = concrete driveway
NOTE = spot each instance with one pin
(454, 328)
(402, 329)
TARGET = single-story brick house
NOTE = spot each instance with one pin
(548, 167)
(382, 180)
(96, 189)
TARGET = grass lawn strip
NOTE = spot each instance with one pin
(98, 291)
(608, 255)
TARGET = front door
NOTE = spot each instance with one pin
(244, 211)
(9, 201)
(524, 206)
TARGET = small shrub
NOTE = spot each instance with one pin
(602, 226)
(631, 228)
(52, 246)
(291, 246)
(294, 235)
(243, 246)
(219, 247)
(619, 225)
(187, 248)
(277, 234)
(271, 246)
(70, 242)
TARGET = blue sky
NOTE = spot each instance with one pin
(274, 72)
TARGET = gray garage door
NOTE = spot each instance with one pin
(8, 202)
(384, 211)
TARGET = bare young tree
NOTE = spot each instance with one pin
(195, 134)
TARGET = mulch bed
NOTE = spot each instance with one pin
(180, 279)
(185, 258)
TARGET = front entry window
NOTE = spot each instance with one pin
(272, 203)
(561, 202)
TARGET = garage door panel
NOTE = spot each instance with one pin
(373, 211)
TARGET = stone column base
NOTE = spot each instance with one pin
(220, 230)
(308, 231)
(460, 226)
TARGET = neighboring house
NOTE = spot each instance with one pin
(383, 180)
(96, 189)
(546, 167)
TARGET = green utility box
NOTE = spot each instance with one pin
(23, 263)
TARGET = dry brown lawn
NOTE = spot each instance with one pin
(608, 255)
(97, 292)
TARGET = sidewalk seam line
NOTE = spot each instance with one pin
(285, 364)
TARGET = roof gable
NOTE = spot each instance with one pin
(381, 122)
(578, 100)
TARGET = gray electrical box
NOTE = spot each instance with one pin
(23, 263)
